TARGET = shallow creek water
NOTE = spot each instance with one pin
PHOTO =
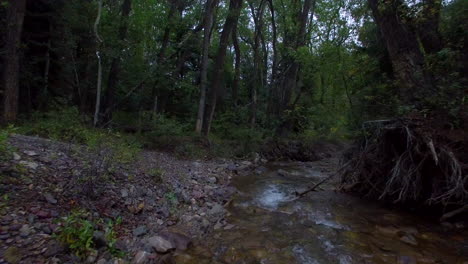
(266, 225)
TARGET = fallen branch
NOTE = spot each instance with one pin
(454, 213)
(315, 186)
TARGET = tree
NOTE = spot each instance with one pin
(115, 68)
(207, 30)
(231, 20)
(15, 18)
(403, 48)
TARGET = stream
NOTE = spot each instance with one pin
(267, 225)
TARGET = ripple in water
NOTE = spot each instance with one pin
(272, 196)
(302, 256)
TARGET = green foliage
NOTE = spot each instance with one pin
(62, 124)
(5, 148)
(77, 232)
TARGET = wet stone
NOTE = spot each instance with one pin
(139, 231)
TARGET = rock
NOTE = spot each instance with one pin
(216, 210)
(282, 172)
(30, 153)
(25, 231)
(53, 248)
(124, 193)
(246, 163)
(91, 258)
(49, 198)
(29, 164)
(99, 239)
(102, 261)
(406, 260)
(409, 239)
(178, 240)
(14, 227)
(160, 244)
(139, 231)
(141, 257)
(16, 156)
(4, 236)
(212, 180)
(12, 255)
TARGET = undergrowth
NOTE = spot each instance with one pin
(77, 231)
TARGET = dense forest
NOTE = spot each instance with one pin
(260, 80)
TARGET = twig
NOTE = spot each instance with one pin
(454, 213)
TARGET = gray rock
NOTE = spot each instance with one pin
(216, 210)
(49, 198)
(91, 258)
(180, 241)
(124, 193)
(160, 244)
(102, 261)
(29, 164)
(409, 239)
(16, 156)
(212, 180)
(53, 248)
(30, 153)
(99, 239)
(406, 260)
(139, 231)
(25, 231)
(141, 257)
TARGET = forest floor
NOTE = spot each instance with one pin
(163, 202)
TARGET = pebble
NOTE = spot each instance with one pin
(160, 244)
(50, 199)
(25, 231)
(139, 231)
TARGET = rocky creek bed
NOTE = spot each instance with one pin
(181, 211)
(163, 202)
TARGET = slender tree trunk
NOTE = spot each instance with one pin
(207, 30)
(115, 69)
(237, 64)
(231, 20)
(273, 92)
(403, 48)
(15, 18)
(165, 43)
(99, 74)
(257, 15)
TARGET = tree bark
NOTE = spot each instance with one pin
(99, 74)
(115, 69)
(207, 30)
(237, 64)
(15, 18)
(289, 83)
(231, 20)
(403, 48)
(257, 14)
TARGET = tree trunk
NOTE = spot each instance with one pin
(237, 64)
(403, 48)
(115, 69)
(165, 43)
(207, 29)
(257, 15)
(15, 18)
(231, 21)
(99, 74)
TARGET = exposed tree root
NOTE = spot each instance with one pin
(409, 161)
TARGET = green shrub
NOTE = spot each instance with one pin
(5, 148)
(77, 232)
(63, 124)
